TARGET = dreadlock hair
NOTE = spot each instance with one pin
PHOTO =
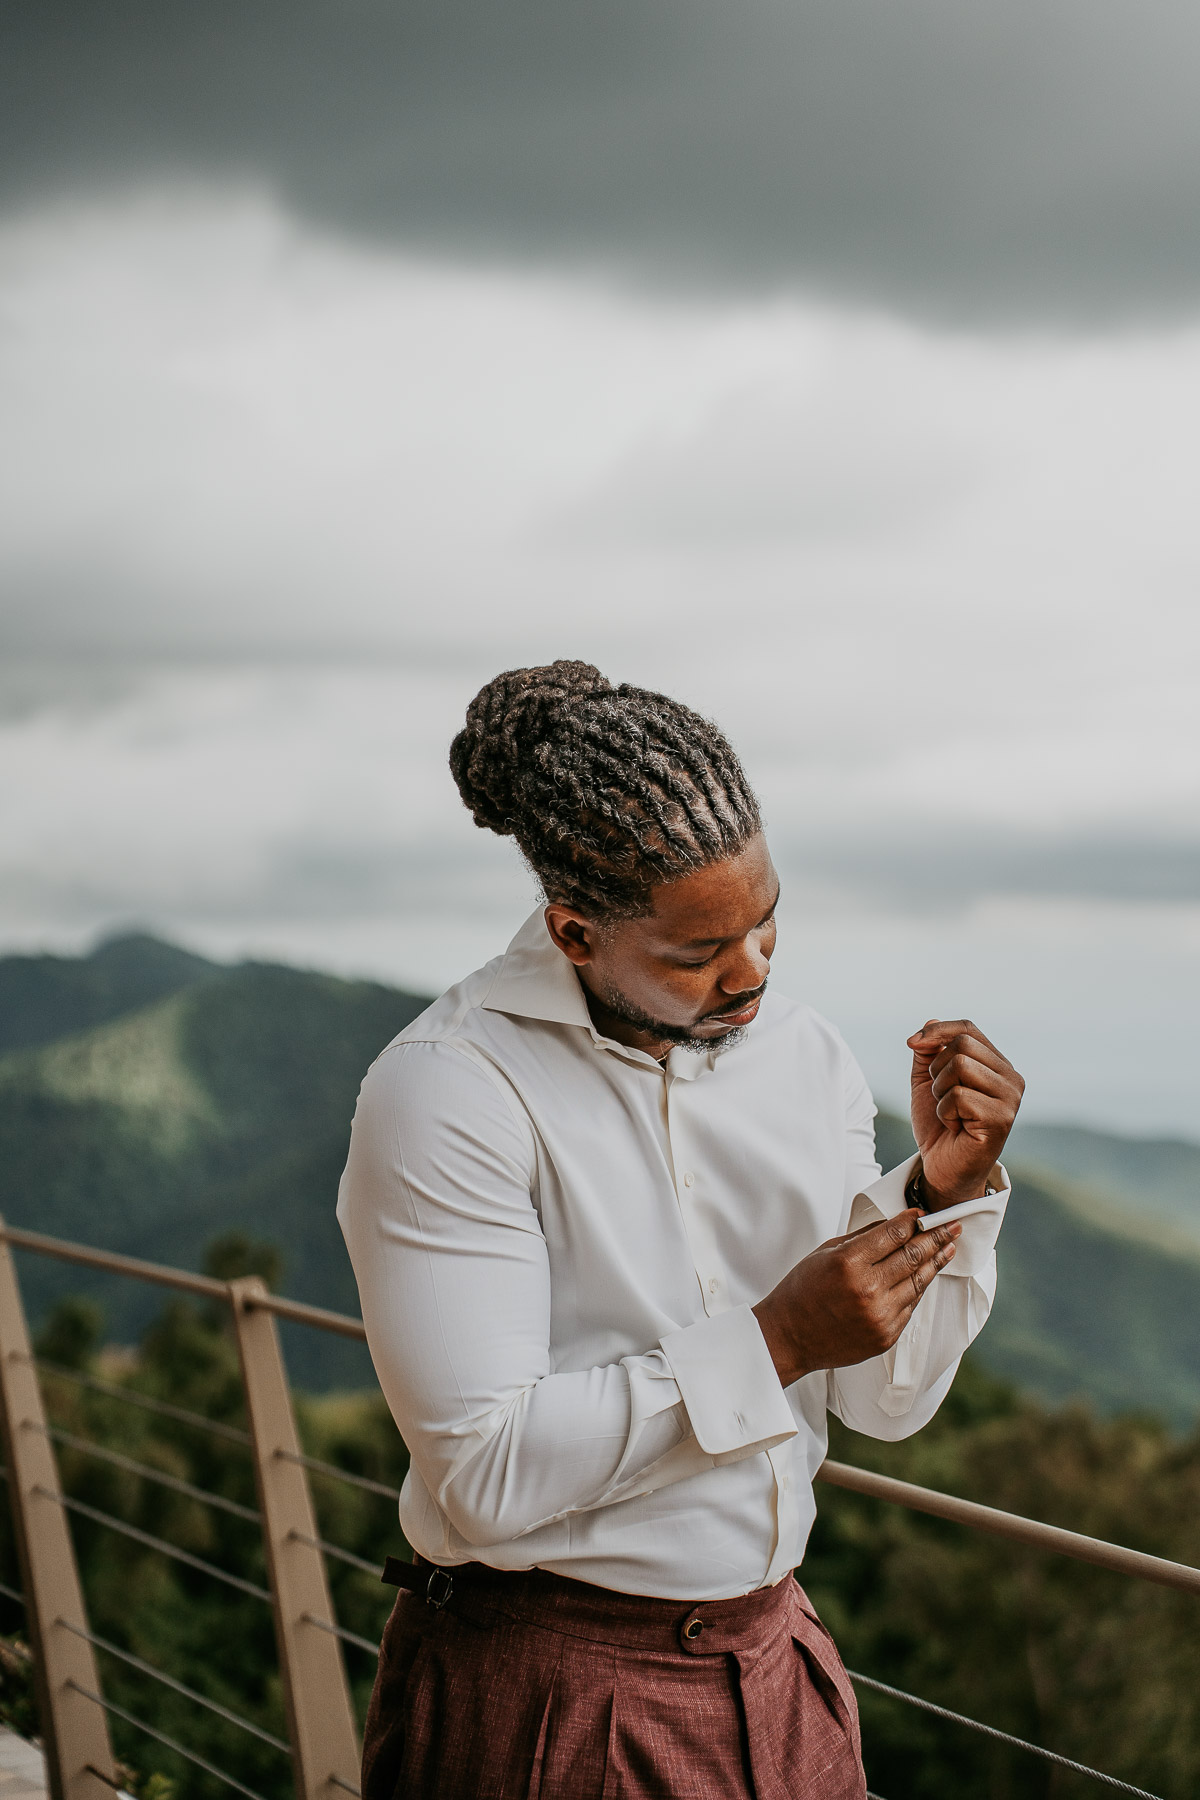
(607, 790)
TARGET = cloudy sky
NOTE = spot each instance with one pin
(834, 366)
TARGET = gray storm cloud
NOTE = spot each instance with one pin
(1026, 161)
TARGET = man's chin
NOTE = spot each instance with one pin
(719, 1041)
(716, 1032)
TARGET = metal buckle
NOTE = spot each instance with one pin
(439, 1588)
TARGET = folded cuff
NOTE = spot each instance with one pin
(974, 1257)
(973, 1251)
(729, 1386)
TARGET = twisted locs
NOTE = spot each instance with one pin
(607, 790)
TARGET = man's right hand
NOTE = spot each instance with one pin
(851, 1298)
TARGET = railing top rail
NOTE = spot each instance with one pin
(184, 1280)
(343, 1324)
(1032, 1532)
(64, 1251)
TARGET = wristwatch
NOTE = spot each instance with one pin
(914, 1189)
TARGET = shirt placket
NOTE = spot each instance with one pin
(691, 1179)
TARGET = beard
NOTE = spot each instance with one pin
(685, 1036)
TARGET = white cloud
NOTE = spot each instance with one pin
(941, 589)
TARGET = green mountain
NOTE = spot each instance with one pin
(225, 1105)
(48, 997)
(1147, 1188)
(158, 1100)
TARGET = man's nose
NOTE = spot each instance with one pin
(749, 970)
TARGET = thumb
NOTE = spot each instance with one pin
(926, 1042)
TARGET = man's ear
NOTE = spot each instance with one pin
(574, 934)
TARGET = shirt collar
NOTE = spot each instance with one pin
(536, 981)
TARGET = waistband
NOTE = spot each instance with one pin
(603, 1615)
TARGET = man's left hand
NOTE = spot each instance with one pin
(965, 1096)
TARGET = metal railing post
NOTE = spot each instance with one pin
(325, 1752)
(79, 1759)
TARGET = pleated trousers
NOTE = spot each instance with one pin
(536, 1687)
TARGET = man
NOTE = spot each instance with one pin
(621, 1243)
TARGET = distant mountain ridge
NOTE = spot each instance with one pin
(47, 997)
(225, 1103)
(183, 1098)
(1141, 1187)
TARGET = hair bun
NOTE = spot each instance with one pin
(505, 722)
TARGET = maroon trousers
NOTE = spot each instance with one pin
(536, 1686)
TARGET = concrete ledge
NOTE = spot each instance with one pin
(22, 1768)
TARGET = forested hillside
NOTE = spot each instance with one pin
(158, 1100)
(1146, 1187)
(1093, 1665)
(48, 997)
(226, 1104)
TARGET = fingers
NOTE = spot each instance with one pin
(909, 1292)
(983, 1115)
(936, 1033)
(961, 1068)
(875, 1243)
(916, 1262)
(960, 1062)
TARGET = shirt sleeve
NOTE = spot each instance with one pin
(437, 1209)
(893, 1395)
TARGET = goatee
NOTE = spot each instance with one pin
(685, 1036)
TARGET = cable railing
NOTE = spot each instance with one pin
(160, 1737)
(130, 1464)
(151, 1542)
(180, 1414)
(1002, 1737)
(321, 1741)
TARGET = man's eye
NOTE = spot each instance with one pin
(702, 964)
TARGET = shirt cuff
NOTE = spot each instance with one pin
(974, 1248)
(729, 1386)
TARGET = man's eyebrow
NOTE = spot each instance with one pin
(702, 943)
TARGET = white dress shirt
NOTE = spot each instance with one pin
(558, 1241)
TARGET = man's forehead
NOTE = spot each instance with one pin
(725, 900)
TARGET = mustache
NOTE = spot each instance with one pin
(737, 1005)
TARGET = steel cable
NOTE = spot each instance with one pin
(145, 1668)
(1004, 1737)
(116, 1392)
(161, 1737)
(328, 1468)
(339, 1631)
(155, 1543)
(346, 1556)
(89, 1448)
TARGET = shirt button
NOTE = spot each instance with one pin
(713, 1284)
(688, 1179)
